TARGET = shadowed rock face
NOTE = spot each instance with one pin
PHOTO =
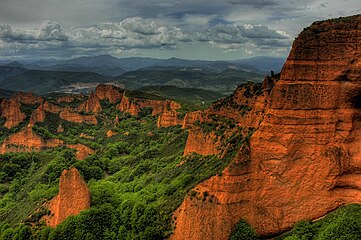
(73, 197)
(305, 159)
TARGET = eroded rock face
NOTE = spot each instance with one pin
(38, 115)
(109, 92)
(78, 118)
(53, 108)
(169, 118)
(26, 141)
(135, 105)
(10, 109)
(28, 98)
(73, 197)
(202, 143)
(82, 151)
(91, 105)
(244, 109)
(304, 160)
(65, 99)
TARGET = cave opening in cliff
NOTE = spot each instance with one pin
(356, 101)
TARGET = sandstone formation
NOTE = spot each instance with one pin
(192, 117)
(38, 115)
(135, 105)
(78, 118)
(53, 108)
(65, 99)
(202, 143)
(111, 133)
(26, 141)
(73, 197)
(82, 151)
(109, 92)
(304, 160)
(10, 109)
(208, 129)
(169, 118)
(28, 98)
(91, 105)
(60, 129)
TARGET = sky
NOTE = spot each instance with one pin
(190, 29)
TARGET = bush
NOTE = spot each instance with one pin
(242, 231)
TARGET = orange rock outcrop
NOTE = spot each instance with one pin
(82, 151)
(169, 118)
(77, 117)
(91, 105)
(26, 141)
(109, 92)
(304, 160)
(38, 115)
(28, 98)
(65, 99)
(135, 105)
(73, 197)
(111, 133)
(53, 108)
(10, 109)
(202, 143)
(244, 109)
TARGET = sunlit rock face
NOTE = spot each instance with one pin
(73, 197)
(305, 158)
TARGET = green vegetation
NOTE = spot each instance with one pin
(222, 82)
(344, 223)
(243, 231)
(135, 179)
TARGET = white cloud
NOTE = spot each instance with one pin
(50, 30)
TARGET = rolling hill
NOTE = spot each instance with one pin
(42, 82)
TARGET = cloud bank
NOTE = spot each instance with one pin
(217, 29)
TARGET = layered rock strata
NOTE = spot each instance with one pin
(304, 160)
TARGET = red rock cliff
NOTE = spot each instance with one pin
(38, 115)
(10, 109)
(109, 92)
(73, 197)
(91, 105)
(243, 109)
(28, 98)
(25, 141)
(78, 118)
(304, 161)
(135, 105)
(169, 118)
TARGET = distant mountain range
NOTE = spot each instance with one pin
(112, 66)
(45, 76)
